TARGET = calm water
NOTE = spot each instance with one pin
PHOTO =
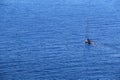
(44, 40)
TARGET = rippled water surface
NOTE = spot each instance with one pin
(44, 39)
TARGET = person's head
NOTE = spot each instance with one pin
(88, 39)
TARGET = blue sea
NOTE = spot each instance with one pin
(44, 39)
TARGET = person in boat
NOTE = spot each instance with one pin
(88, 41)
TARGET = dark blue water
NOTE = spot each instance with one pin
(44, 40)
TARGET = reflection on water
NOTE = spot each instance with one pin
(44, 40)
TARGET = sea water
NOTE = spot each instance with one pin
(44, 39)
